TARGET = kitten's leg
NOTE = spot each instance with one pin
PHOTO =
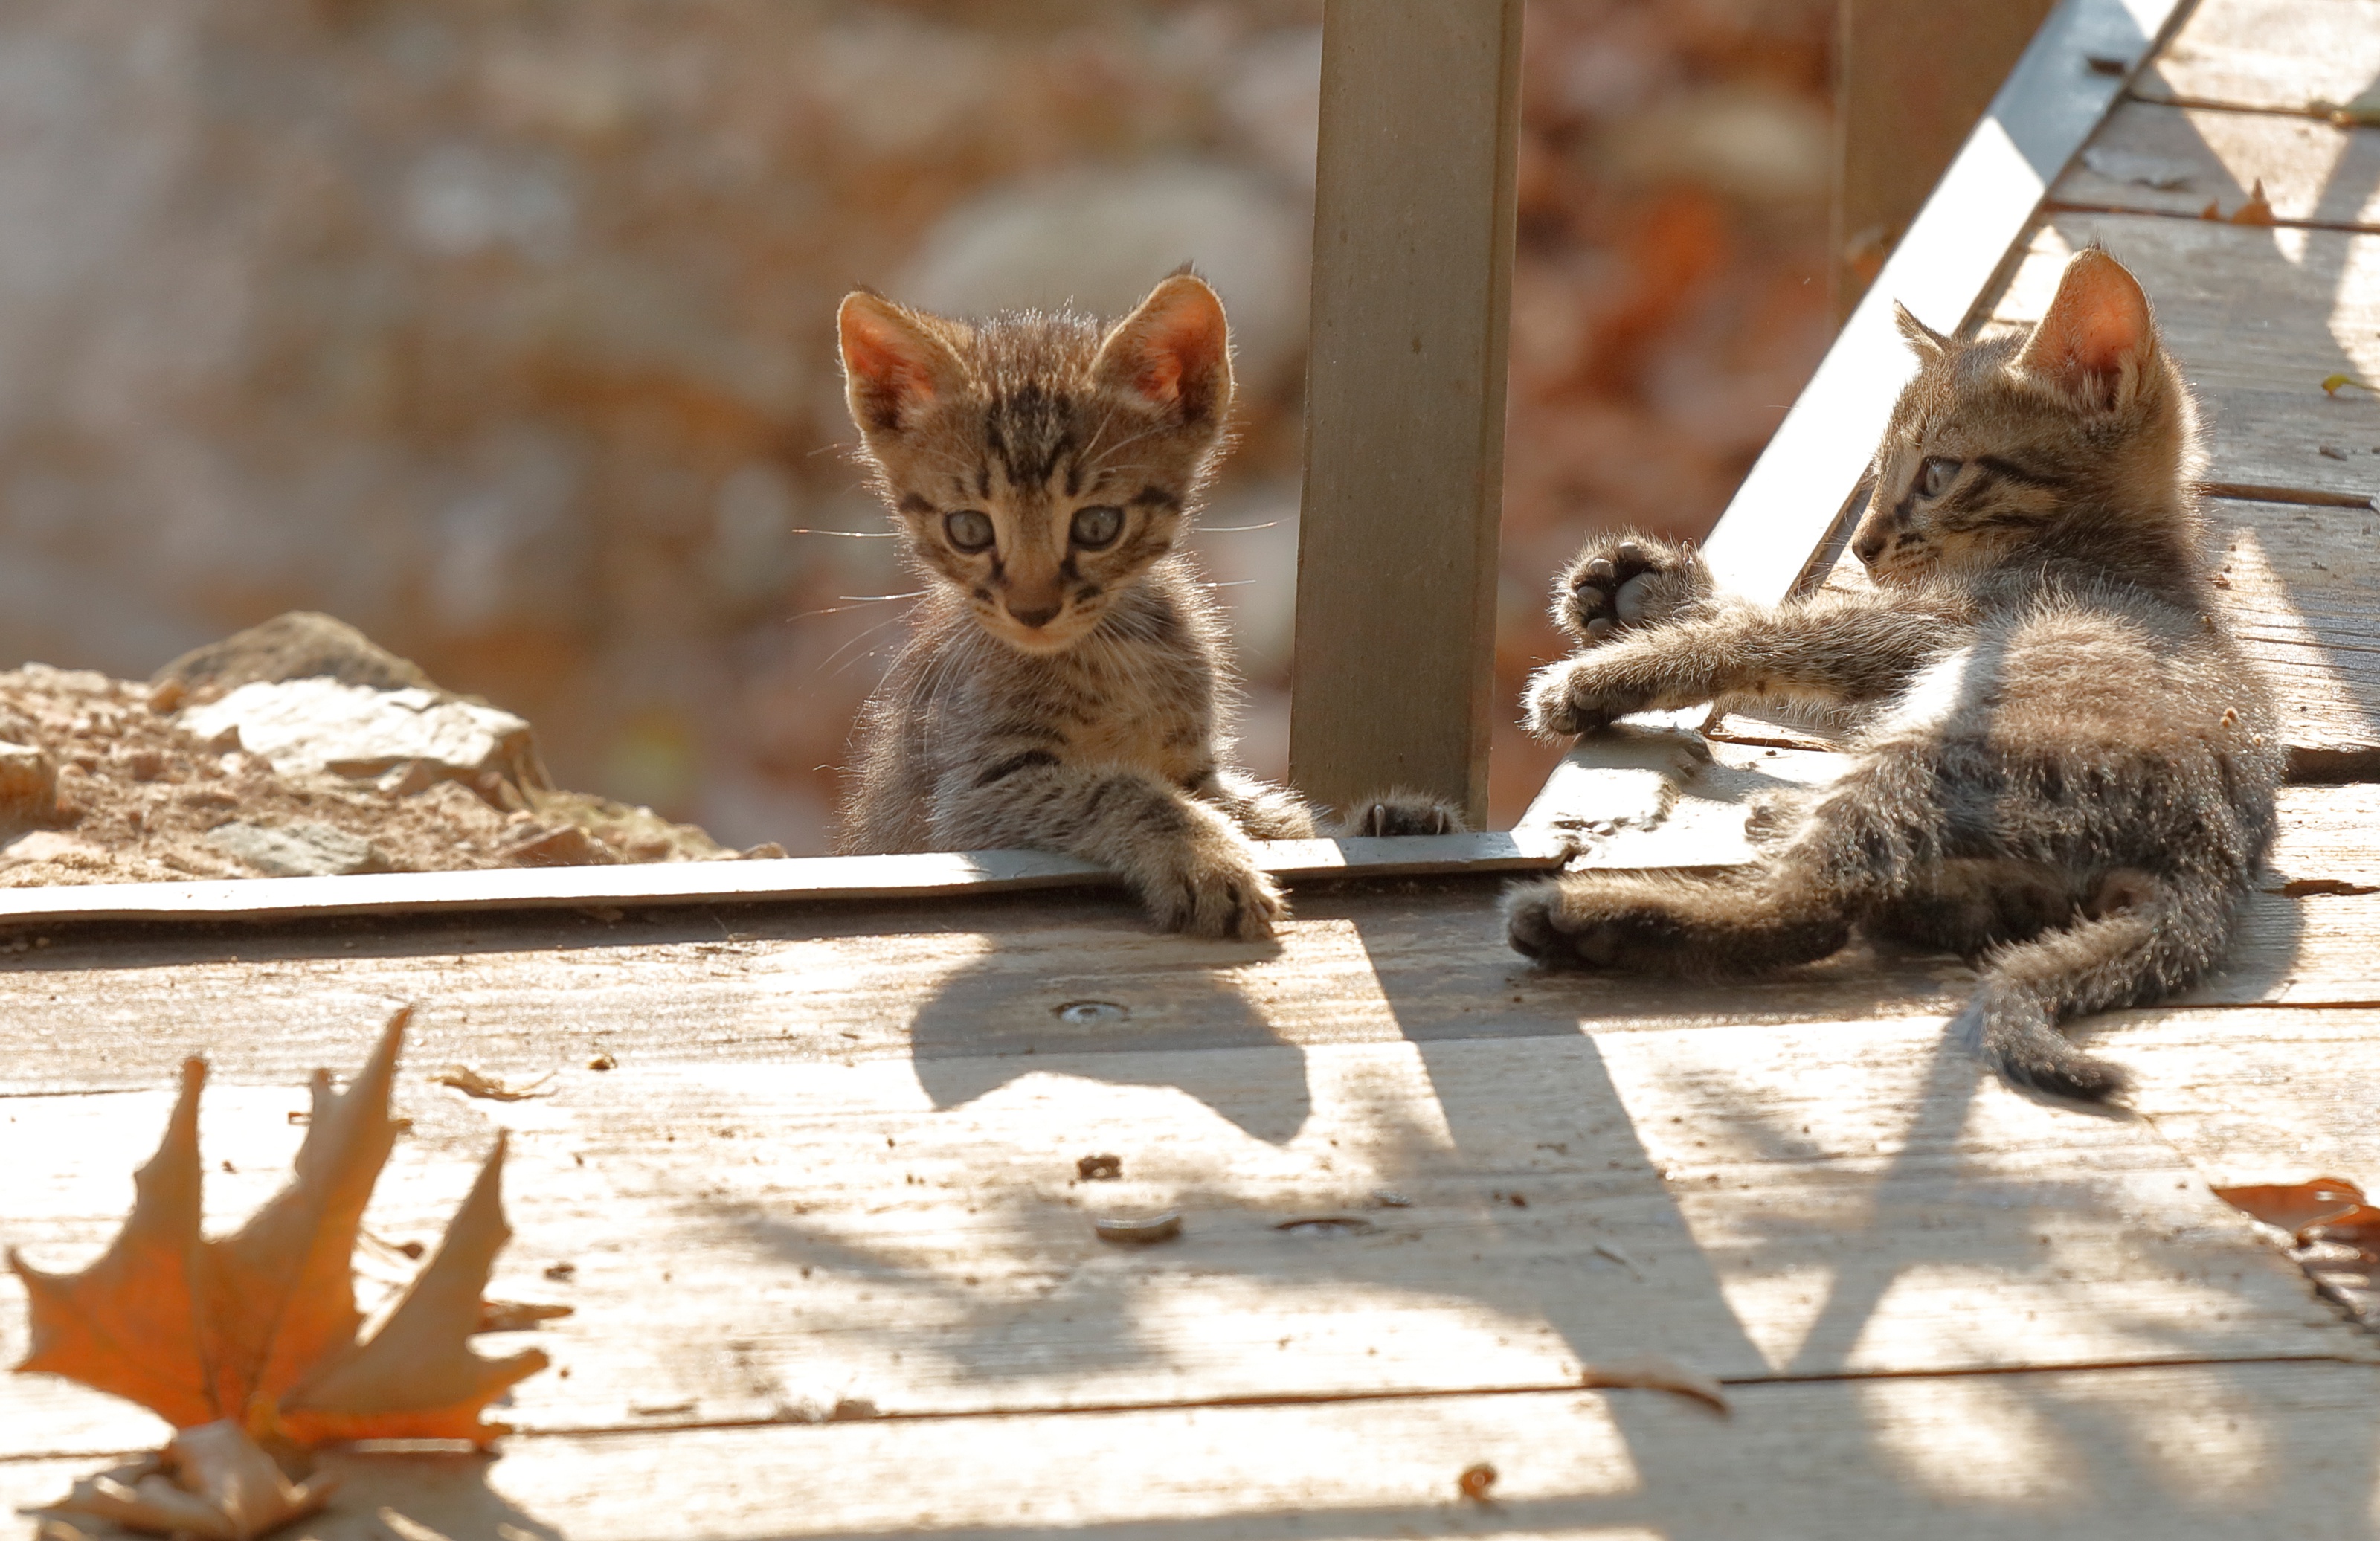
(1183, 860)
(1399, 812)
(2150, 936)
(1834, 648)
(1679, 926)
(1262, 810)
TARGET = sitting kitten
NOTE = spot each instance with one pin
(1066, 681)
(2067, 768)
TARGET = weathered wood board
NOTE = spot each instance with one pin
(2158, 159)
(2283, 55)
(2302, 588)
(2280, 1452)
(2258, 1095)
(762, 1239)
(2258, 319)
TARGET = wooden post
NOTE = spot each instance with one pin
(1911, 78)
(1405, 412)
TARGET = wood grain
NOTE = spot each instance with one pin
(762, 1239)
(2195, 1453)
(1404, 418)
(2286, 54)
(2258, 319)
(2313, 172)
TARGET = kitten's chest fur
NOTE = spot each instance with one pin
(1138, 693)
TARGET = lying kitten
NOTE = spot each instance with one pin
(1066, 681)
(2068, 769)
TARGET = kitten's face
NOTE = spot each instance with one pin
(1999, 443)
(1038, 463)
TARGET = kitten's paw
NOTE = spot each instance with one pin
(1399, 812)
(1565, 922)
(1578, 695)
(1214, 889)
(1622, 582)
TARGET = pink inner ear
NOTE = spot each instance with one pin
(2112, 328)
(1159, 376)
(1180, 343)
(885, 361)
(2098, 319)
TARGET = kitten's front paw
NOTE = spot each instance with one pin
(1622, 582)
(1214, 887)
(1401, 813)
(1578, 695)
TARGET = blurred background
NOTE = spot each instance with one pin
(505, 331)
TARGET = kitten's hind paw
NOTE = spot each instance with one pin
(1399, 812)
(1542, 923)
(1620, 582)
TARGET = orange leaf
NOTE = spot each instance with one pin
(279, 1294)
(258, 1331)
(418, 1379)
(2295, 1206)
(128, 1325)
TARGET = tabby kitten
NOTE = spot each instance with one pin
(1066, 683)
(2067, 770)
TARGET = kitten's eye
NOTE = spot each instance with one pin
(1934, 476)
(968, 530)
(1097, 526)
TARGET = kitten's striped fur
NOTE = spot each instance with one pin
(2068, 767)
(1067, 683)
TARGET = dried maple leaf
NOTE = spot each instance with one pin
(2295, 1206)
(258, 1331)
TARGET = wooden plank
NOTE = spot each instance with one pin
(802, 879)
(2258, 319)
(2258, 1095)
(104, 1011)
(2181, 1453)
(1783, 529)
(1405, 425)
(1910, 78)
(2158, 159)
(2301, 586)
(760, 1240)
(2282, 55)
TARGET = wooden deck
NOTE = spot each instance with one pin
(834, 1271)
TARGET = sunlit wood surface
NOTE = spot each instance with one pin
(834, 1270)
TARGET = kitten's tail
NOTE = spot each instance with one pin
(2149, 937)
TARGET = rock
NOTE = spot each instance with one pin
(558, 846)
(1100, 240)
(28, 786)
(303, 644)
(402, 739)
(305, 850)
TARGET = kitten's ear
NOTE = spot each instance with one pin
(892, 366)
(1175, 351)
(2097, 339)
(1922, 339)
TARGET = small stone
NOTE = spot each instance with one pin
(28, 784)
(297, 850)
(558, 846)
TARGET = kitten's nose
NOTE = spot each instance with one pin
(1867, 548)
(1038, 616)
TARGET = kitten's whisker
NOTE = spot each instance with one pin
(856, 600)
(853, 642)
(1227, 530)
(851, 534)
